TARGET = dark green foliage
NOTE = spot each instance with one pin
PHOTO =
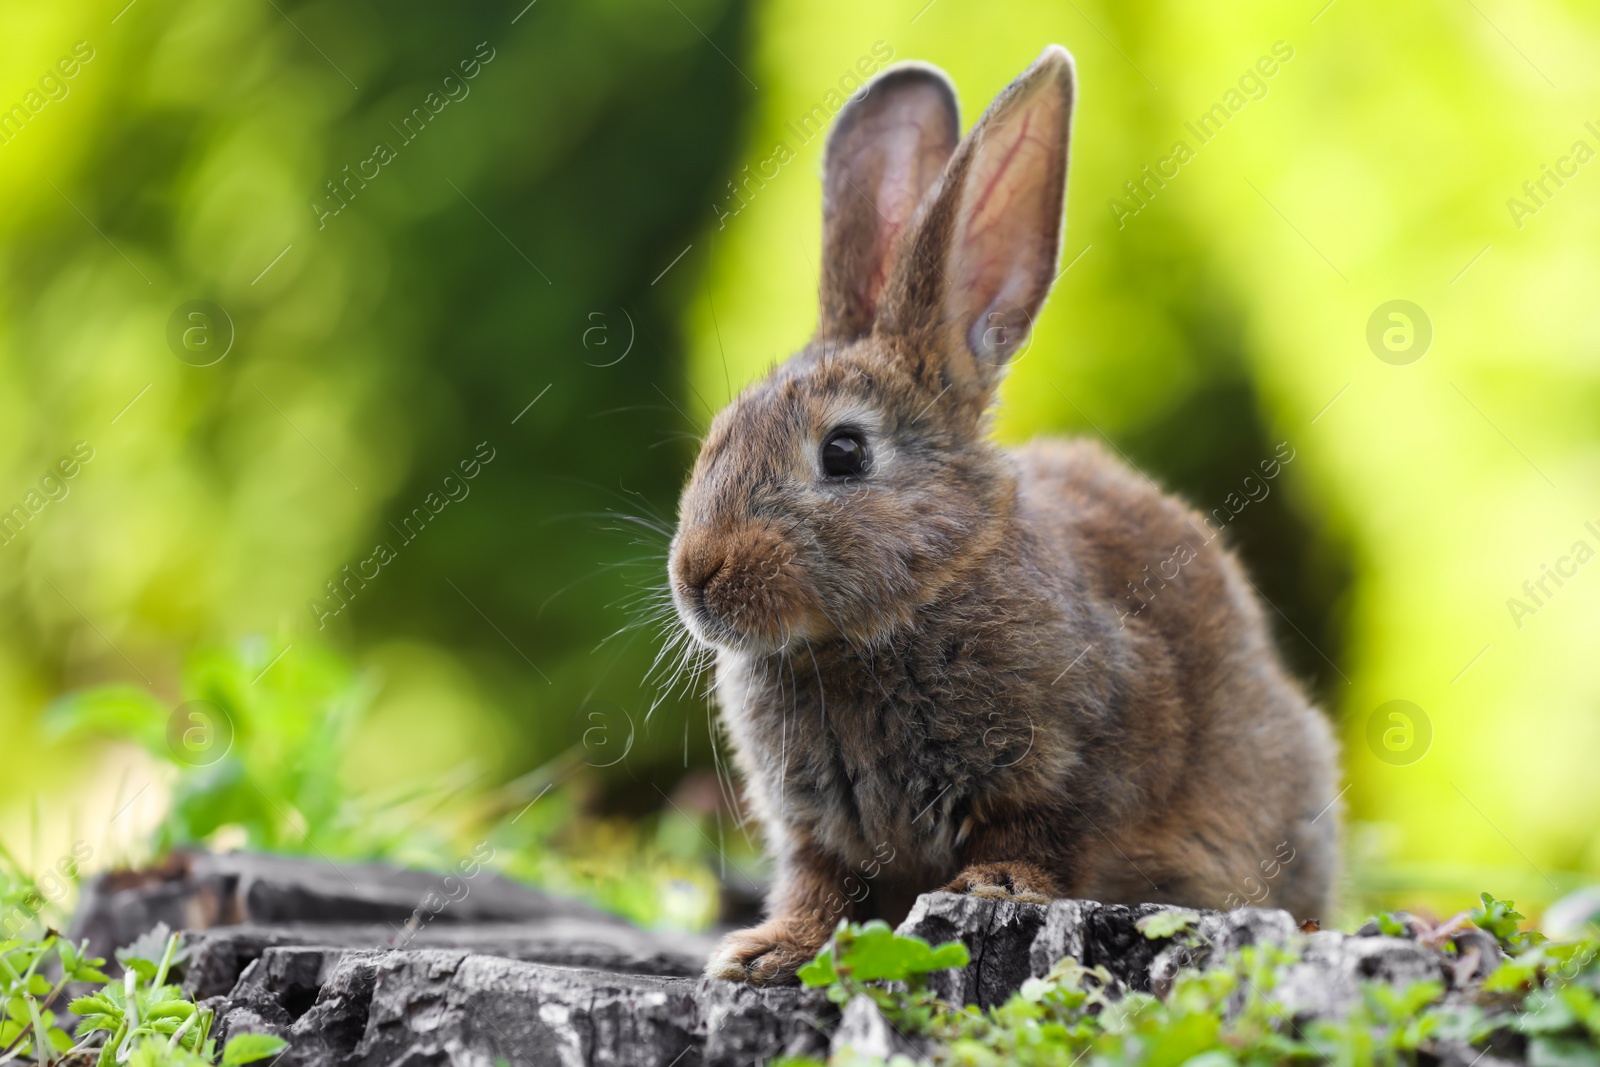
(261, 750)
(630, 145)
(374, 358)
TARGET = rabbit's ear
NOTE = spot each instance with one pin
(984, 254)
(888, 145)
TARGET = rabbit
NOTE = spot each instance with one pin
(1022, 674)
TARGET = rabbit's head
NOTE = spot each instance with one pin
(847, 489)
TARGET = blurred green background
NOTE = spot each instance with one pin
(610, 211)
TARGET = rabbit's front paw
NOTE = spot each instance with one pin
(1006, 881)
(768, 954)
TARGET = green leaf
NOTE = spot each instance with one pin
(141, 967)
(121, 711)
(1399, 1005)
(170, 1009)
(875, 952)
(154, 1052)
(1213, 1058)
(1169, 923)
(819, 972)
(144, 955)
(949, 955)
(247, 1048)
(1501, 919)
(1512, 976)
(94, 1004)
(1389, 924)
(1545, 1013)
(1562, 1052)
(79, 967)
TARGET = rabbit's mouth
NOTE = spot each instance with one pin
(742, 590)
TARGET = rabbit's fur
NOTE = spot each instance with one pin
(1019, 673)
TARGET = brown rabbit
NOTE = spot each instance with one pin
(943, 664)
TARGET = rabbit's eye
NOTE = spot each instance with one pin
(844, 454)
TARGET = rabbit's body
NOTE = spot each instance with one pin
(1001, 708)
(1024, 674)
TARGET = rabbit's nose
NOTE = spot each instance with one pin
(697, 569)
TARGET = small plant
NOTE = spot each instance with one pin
(151, 1023)
(27, 996)
(1562, 1020)
(256, 750)
(1390, 924)
(1225, 1015)
(874, 953)
(141, 1020)
(1172, 922)
(1501, 919)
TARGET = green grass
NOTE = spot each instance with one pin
(1545, 996)
(258, 759)
(141, 1020)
